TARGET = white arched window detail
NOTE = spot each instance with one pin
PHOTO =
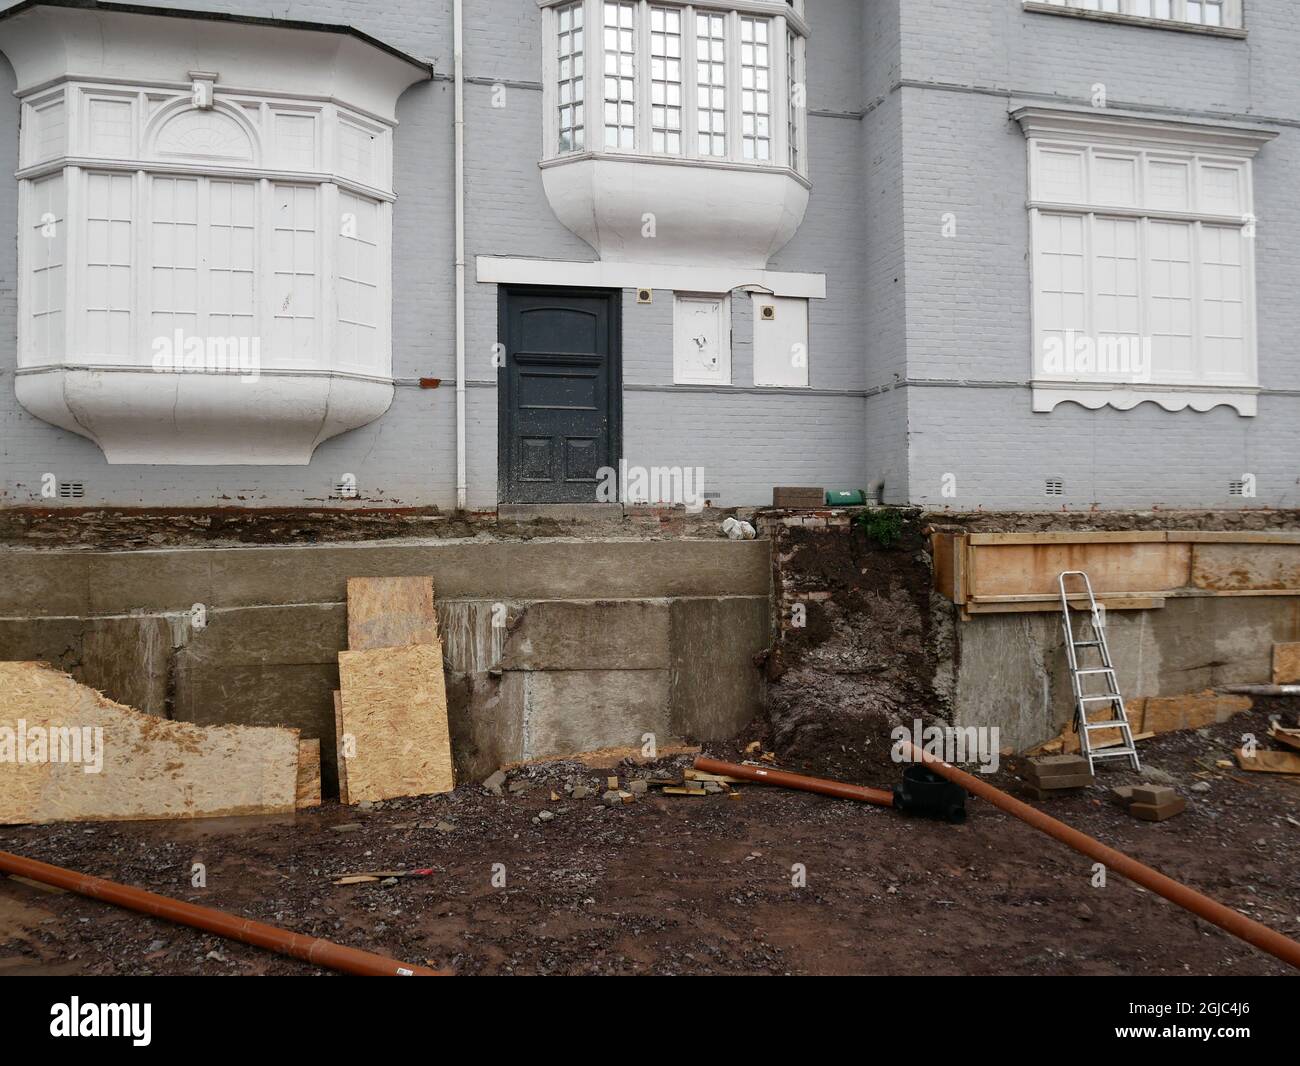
(205, 255)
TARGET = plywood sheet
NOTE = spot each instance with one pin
(151, 767)
(308, 774)
(394, 704)
(390, 612)
(1033, 569)
(1286, 664)
(1269, 762)
(1246, 567)
(339, 755)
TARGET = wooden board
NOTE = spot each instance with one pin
(152, 767)
(1017, 569)
(308, 773)
(1286, 664)
(1269, 762)
(338, 749)
(1253, 567)
(391, 612)
(394, 704)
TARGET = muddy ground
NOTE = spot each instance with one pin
(680, 885)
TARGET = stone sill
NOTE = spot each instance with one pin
(1231, 32)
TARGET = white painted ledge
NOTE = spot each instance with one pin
(519, 270)
(1046, 396)
(202, 419)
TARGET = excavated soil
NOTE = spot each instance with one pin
(865, 659)
(680, 885)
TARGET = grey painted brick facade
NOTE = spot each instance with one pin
(919, 355)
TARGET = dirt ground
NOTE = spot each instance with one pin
(684, 885)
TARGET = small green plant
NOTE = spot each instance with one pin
(883, 526)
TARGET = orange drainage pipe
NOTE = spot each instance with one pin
(1237, 924)
(309, 949)
(823, 786)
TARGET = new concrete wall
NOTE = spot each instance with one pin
(549, 645)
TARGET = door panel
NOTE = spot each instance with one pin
(560, 392)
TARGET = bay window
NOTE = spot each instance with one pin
(204, 272)
(716, 80)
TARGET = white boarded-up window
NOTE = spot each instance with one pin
(780, 341)
(701, 340)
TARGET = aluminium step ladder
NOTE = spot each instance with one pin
(1109, 696)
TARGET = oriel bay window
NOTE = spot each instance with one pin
(714, 81)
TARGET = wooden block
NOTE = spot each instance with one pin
(339, 757)
(1051, 766)
(1154, 795)
(673, 790)
(799, 497)
(1158, 812)
(391, 612)
(394, 703)
(1286, 664)
(1066, 781)
(308, 793)
(1269, 762)
(152, 767)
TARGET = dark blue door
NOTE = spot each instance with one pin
(560, 392)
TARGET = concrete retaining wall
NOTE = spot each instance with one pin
(550, 645)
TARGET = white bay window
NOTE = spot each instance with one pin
(709, 93)
(1143, 269)
(204, 270)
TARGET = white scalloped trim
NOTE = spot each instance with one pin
(1046, 397)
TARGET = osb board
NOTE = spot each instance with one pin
(339, 756)
(1269, 762)
(1156, 714)
(390, 612)
(1033, 569)
(395, 706)
(308, 791)
(1246, 567)
(152, 767)
(1286, 664)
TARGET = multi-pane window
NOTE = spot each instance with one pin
(570, 78)
(46, 253)
(108, 262)
(794, 98)
(711, 83)
(620, 74)
(666, 80)
(1196, 12)
(755, 88)
(294, 261)
(699, 81)
(1141, 265)
(358, 280)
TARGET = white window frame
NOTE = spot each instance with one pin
(1142, 142)
(786, 23)
(1182, 14)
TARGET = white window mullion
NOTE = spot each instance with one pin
(735, 150)
(1197, 288)
(642, 37)
(75, 313)
(690, 86)
(779, 47)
